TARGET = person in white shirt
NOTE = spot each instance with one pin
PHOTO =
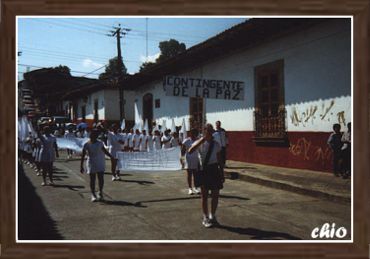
(143, 142)
(130, 140)
(150, 141)
(166, 139)
(48, 152)
(212, 177)
(157, 140)
(136, 140)
(123, 138)
(69, 135)
(114, 145)
(95, 163)
(175, 139)
(192, 160)
(221, 137)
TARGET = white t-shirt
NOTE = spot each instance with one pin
(191, 159)
(203, 149)
(220, 137)
(113, 145)
(47, 152)
(150, 143)
(136, 139)
(166, 144)
(174, 142)
(96, 157)
(143, 142)
(157, 142)
(130, 140)
(123, 138)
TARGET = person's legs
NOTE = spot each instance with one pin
(43, 170)
(92, 183)
(113, 168)
(336, 163)
(101, 184)
(190, 174)
(50, 172)
(215, 195)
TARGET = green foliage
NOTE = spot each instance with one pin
(63, 69)
(112, 70)
(170, 49)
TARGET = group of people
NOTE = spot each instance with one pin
(340, 144)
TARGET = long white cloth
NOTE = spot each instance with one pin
(73, 143)
(156, 160)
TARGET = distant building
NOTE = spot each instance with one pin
(294, 83)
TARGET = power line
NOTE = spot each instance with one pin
(94, 70)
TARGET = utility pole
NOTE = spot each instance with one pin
(118, 32)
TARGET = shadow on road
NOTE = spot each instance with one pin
(258, 234)
(70, 187)
(123, 203)
(138, 182)
(233, 197)
(34, 221)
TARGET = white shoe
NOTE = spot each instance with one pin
(206, 223)
(190, 192)
(118, 178)
(93, 198)
(196, 190)
(100, 197)
(113, 178)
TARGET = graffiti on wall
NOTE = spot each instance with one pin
(303, 148)
(310, 114)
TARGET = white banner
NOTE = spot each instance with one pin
(157, 160)
(75, 144)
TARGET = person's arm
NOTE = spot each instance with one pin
(196, 144)
(82, 160)
(107, 153)
(56, 149)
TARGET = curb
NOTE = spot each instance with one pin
(287, 187)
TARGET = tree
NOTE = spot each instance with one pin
(170, 49)
(112, 70)
(63, 69)
(146, 65)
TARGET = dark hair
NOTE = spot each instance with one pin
(209, 128)
(94, 133)
(194, 132)
(336, 125)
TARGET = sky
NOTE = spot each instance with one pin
(85, 45)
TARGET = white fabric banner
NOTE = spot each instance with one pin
(156, 160)
(73, 143)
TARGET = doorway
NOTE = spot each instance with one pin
(148, 109)
(196, 113)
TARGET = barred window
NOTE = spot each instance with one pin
(270, 113)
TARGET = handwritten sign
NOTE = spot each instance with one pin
(204, 88)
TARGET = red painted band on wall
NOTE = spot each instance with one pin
(306, 150)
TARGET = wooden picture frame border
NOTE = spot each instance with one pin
(361, 21)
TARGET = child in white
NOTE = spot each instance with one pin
(114, 145)
(95, 163)
(157, 140)
(143, 142)
(166, 140)
(136, 140)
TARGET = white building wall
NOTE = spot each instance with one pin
(99, 95)
(317, 81)
(111, 100)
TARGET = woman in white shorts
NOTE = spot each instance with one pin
(95, 163)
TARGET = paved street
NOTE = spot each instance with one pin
(156, 206)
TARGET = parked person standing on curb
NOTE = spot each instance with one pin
(48, 151)
(221, 137)
(335, 143)
(114, 145)
(346, 152)
(211, 176)
(95, 164)
(192, 161)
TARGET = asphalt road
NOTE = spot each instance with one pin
(156, 206)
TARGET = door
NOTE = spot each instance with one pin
(96, 110)
(148, 109)
(196, 113)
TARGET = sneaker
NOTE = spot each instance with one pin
(196, 190)
(190, 192)
(114, 178)
(118, 178)
(93, 198)
(214, 221)
(206, 223)
(38, 174)
(43, 184)
(100, 197)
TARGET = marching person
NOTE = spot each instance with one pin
(143, 142)
(95, 163)
(136, 140)
(175, 142)
(157, 140)
(346, 152)
(48, 151)
(69, 135)
(130, 140)
(211, 177)
(192, 161)
(150, 142)
(114, 145)
(166, 139)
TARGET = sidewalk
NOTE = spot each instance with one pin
(312, 183)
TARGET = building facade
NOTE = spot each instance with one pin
(297, 84)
